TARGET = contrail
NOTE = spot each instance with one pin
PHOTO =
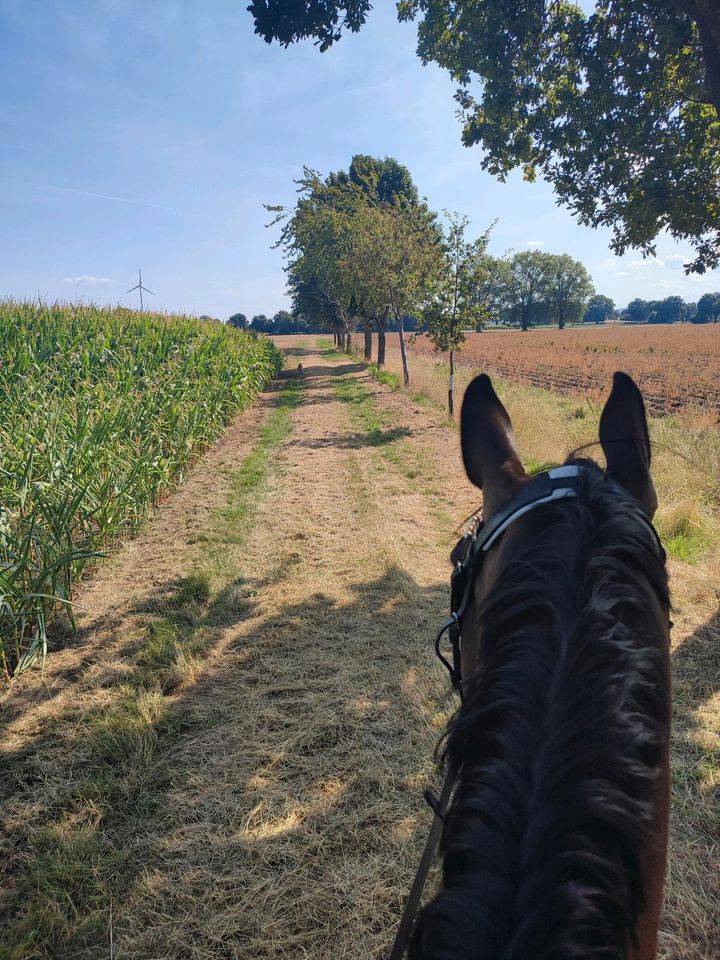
(107, 196)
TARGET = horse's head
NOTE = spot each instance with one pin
(554, 842)
(493, 464)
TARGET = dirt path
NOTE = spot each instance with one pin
(267, 799)
(290, 820)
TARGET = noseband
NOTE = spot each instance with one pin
(560, 483)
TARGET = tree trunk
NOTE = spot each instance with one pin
(348, 342)
(561, 323)
(403, 351)
(451, 387)
(524, 320)
(381, 321)
(368, 343)
(707, 18)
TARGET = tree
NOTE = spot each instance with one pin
(639, 311)
(670, 310)
(494, 293)
(454, 303)
(569, 287)
(283, 323)
(398, 259)
(261, 323)
(527, 284)
(599, 309)
(383, 181)
(708, 308)
(238, 320)
(318, 237)
(619, 109)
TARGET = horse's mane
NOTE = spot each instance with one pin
(558, 744)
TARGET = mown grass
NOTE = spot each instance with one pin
(102, 412)
(686, 449)
(79, 855)
(395, 444)
(686, 468)
(391, 380)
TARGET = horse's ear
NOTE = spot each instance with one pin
(488, 446)
(626, 443)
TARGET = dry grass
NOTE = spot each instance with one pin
(686, 457)
(269, 804)
(686, 469)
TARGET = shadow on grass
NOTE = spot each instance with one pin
(94, 786)
(107, 793)
(376, 437)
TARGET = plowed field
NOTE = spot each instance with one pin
(677, 366)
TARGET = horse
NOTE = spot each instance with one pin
(554, 842)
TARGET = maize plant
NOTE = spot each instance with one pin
(101, 411)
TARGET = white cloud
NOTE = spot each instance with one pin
(675, 261)
(88, 280)
(608, 262)
(535, 243)
(645, 262)
(622, 273)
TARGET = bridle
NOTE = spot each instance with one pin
(560, 483)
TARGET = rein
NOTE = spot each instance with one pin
(550, 486)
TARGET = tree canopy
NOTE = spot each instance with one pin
(599, 309)
(569, 287)
(708, 308)
(360, 246)
(619, 109)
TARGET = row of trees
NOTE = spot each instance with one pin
(361, 248)
(502, 302)
(364, 251)
(281, 324)
(534, 287)
(674, 310)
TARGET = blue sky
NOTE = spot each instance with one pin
(150, 134)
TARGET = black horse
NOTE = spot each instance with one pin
(554, 844)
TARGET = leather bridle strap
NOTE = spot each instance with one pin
(559, 483)
(412, 905)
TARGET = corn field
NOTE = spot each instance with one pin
(101, 411)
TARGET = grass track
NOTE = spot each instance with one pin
(87, 847)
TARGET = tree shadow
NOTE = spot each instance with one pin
(290, 700)
(298, 351)
(696, 681)
(332, 370)
(375, 437)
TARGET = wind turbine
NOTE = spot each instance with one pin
(139, 286)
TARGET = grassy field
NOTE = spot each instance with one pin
(103, 410)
